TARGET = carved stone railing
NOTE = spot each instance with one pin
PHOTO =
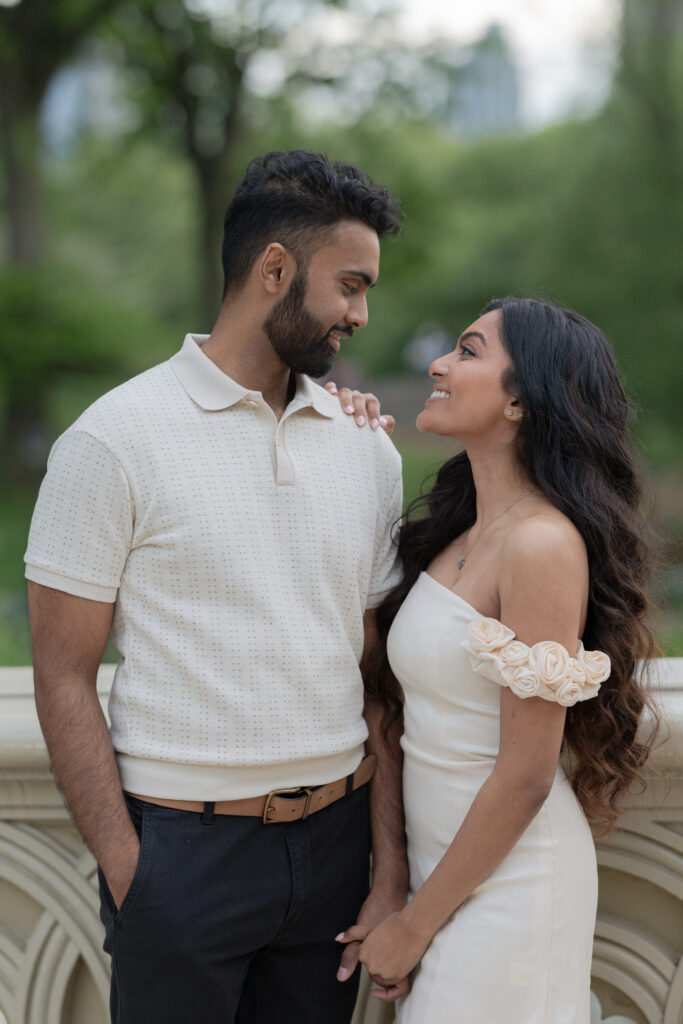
(53, 969)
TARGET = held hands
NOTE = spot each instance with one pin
(364, 408)
(389, 951)
(381, 905)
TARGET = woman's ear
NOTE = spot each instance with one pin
(514, 410)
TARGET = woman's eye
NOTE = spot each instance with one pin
(466, 350)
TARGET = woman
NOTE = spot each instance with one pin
(514, 633)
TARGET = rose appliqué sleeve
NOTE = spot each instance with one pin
(545, 670)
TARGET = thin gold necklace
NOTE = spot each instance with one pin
(463, 558)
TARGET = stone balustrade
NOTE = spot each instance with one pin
(53, 969)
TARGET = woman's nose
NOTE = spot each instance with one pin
(439, 368)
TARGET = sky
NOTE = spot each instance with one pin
(565, 49)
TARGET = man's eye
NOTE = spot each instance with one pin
(352, 290)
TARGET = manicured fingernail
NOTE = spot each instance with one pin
(342, 974)
(348, 408)
(383, 420)
(340, 937)
(374, 424)
(360, 421)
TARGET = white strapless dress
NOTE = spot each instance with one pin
(518, 950)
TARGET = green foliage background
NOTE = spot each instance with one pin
(587, 213)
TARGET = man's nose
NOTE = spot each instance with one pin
(358, 313)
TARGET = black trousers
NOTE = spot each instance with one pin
(234, 921)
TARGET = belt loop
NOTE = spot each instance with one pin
(349, 784)
(208, 816)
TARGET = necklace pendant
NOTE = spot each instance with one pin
(461, 561)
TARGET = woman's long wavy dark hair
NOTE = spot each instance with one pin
(574, 444)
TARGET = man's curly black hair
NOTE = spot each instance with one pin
(296, 198)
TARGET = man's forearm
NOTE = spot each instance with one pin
(83, 761)
(390, 868)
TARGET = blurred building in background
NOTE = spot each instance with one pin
(483, 86)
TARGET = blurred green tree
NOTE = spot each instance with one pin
(651, 76)
(35, 40)
(43, 333)
(52, 329)
(199, 70)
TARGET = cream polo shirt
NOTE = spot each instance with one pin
(240, 553)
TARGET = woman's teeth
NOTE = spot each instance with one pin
(440, 394)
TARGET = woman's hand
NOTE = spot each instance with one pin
(390, 952)
(363, 407)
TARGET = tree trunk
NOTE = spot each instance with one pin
(213, 189)
(21, 164)
(27, 438)
(651, 36)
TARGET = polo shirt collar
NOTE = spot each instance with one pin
(204, 382)
(212, 389)
(310, 394)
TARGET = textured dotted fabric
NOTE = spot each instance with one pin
(241, 553)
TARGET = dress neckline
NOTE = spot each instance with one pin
(457, 597)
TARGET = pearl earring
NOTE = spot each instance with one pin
(508, 412)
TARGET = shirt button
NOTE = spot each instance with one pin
(279, 441)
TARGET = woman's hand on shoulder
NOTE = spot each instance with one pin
(364, 407)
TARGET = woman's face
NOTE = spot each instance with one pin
(468, 400)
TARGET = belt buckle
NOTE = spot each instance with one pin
(307, 790)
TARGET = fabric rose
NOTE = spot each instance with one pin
(514, 653)
(546, 670)
(568, 693)
(596, 665)
(486, 635)
(522, 680)
(576, 671)
(551, 661)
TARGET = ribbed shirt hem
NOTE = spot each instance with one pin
(176, 781)
(79, 588)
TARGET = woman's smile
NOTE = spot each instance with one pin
(438, 393)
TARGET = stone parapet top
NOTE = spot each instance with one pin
(22, 748)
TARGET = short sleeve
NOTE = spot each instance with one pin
(386, 568)
(545, 670)
(82, 524)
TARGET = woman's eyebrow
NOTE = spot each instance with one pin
(473, 334)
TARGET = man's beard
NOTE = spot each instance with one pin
(297, 336)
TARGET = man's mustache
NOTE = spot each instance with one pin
(348, 331)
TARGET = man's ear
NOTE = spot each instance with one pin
(276, 269)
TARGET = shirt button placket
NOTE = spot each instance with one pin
(285, 470)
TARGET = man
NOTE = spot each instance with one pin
(233, 529)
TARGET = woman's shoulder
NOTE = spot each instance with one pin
(545, 534)
(544, 579)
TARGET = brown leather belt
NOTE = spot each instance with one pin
(280, 804)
